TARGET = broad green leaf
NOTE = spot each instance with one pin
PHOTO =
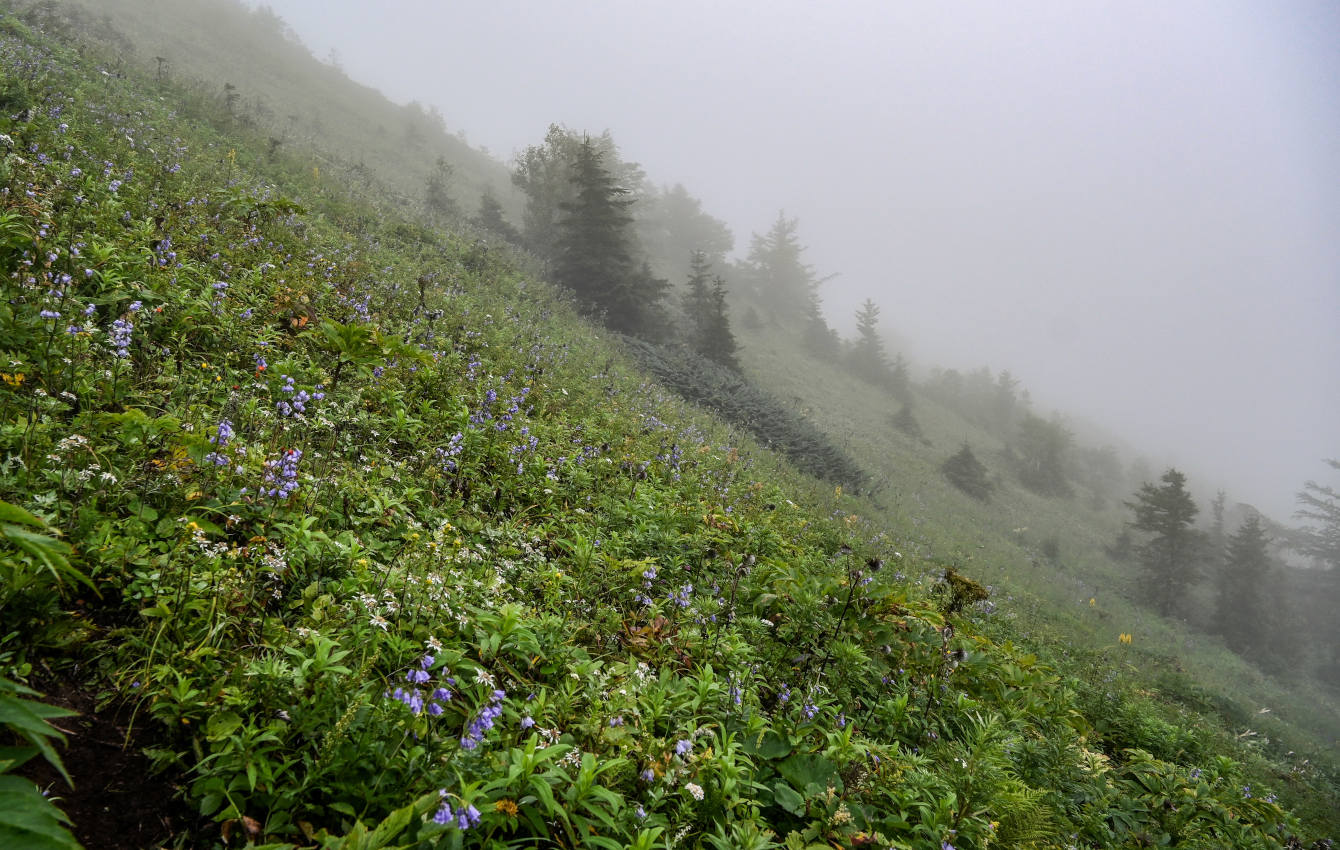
(221, 725)
(788, 798)
(13, 513)
(29, 820)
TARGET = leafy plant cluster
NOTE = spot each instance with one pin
(361, 534)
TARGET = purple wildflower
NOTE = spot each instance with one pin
(121, 331)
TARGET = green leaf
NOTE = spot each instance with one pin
(12, 757)
(788, 798)
(29, 820)
(546, 796)
(770, 745)
(205, 525)
(13, 513)
(221, 725)
(803, 769)
(393, 825)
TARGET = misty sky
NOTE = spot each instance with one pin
(1134, 206)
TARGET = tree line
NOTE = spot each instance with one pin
(1278, 616)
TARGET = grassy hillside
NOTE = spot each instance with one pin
(1075, 603)
(210, 51)
(360, 537)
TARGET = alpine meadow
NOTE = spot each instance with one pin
(362, 489)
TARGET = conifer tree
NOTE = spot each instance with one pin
(1004, 400)
(867, 352)
(778, 273)
(491, 219)
(437, 190)
(650, 318)
(1042, 447)
(672, 226)
(1320, 503)
(544, 173)
(1246, 591)
(707, 313)
(595, 254)
(900, 382)
(967, 473)
(697, 300)
(905, 420)
(1168, 558)
(719, 340)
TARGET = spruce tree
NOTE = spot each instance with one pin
(967, 473)
(905, 420)
(1042, 448)
(697, 300)
(543, 172)
(1169, 556)
(779, 275)
(595, 254)
(1245, 592)
(719, 340)
(651, 320)
(437, 191)
(900, 382)
(707, 314)
(867, 352)
(1320, 503)
(490, 218)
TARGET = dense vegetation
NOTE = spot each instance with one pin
(376, 540)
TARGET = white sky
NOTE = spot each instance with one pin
(1134, 206)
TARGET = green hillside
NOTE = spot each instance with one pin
(339, 527)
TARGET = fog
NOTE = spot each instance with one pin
(1134, 207)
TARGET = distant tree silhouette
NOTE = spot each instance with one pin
(595, 251)
(900, 382)
(905, 420)
(1169, 556)
(777, 272)
(780, 278)
(1246, 592)
(671, 226)
(718, 338)
(967, 473)
(490, 218)
(544, 173)
(1042, 448)
(867, 356)
(1320, 504)
(707, 313)
(437, 192)
(697, 299)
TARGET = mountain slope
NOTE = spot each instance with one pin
(377, 531)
